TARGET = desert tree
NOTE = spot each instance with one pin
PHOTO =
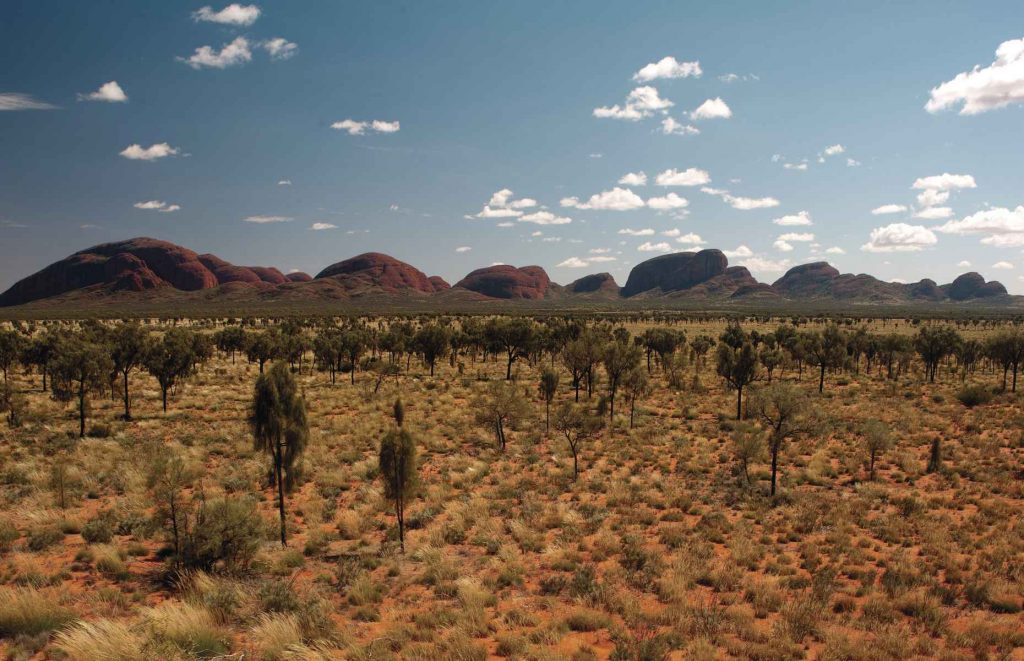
(397, 463)
(432, 342)
(327, 351)
(230, 340)
(352, 343)
(577, 425)
(39, 352)
(262, 347)
(167, 478)
(933, 344)
(169, 360)
(636, 384)
(700, 346)
(501, 405)
(11, 344)
(771, 357)
(934, 456)
(128, 345)
(747, 446)
(548, 387)
(619, 358)
(11, 404)
(967, 356)
(826, 350)
(514, 336)
(578, 357)
(80, 368)
(878, 439)
(280, 428)
(784, 411)
(1006, 348)
(738, 366)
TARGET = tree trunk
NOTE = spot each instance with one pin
(400, 515)
(163, 395)
(280, 494)
(547, 415)
(508, 370)
(872, 469)
(775, 466)
(821, 379)
(81, 410)
(127, 401)
(739, 403)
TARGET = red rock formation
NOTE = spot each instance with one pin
(439, 283)
(378, 271)
(597, 282)
(675, 272)
(503, 281)
(298, 276)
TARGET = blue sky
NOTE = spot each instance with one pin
(490, 97)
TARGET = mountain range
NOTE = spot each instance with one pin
(142, 270)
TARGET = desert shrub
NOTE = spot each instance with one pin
(227, 532)
(974, 395)
(274, 634)
(99, 530)
(8, 535)
(192, 629)
(103, 639)
(43, 537)
(27, 612)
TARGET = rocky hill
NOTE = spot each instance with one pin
(507, 282)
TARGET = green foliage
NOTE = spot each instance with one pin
(226, 532)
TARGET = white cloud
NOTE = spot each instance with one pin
(599, 251)
(601, 259)
(668, 67)
(647, 246)
(633, 179)
(617, 199)
(544, 218)
(641, 102)
(734, 77)
(795, 166)
(799, 218)
(670, 201)
(670, 126)
(232, 54)
(503, 205)
(852, 163)
(899, 237)
(963, 264)
(835, 250)
(1004, 240)
(17, 101)
(463, 249)
(285, 182)
(321, 226)
(280, 48)
(233, 14)
(782, 246)
(794, 236)
(944, 182)
(833, 150)
(688, 177)
(157, 205)
(136, 152)
(741, 251)
(263, 220)
(934, 213)
(888, 208)
(109, 92)
(712, 109)
(748, 203)
(1003, 266)
(354, 127)
(690, 239)
(574, 263)
(981, 89)
(995, 221)
(631, 232)
(932, 197)
(762, 265)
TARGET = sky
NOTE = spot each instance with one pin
(884, 137)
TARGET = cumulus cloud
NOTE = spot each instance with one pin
(284, 182)
(633, 179)
(279, 48)
(617, 199)
(999, 223)
(641, 102)
(963, 263)
(690, 239)
(932, 197)
(18, 101)
(353, 127)
(263, 220)
(687, 177)
(157, 205)
(647, 246)
(136, 152)
(888, 208)
(801, 167)
(712, 109)
(574, 263)
(667, 67)
(899, 237)
(749, 203)
(764, 265)
(799, 218)
(544, 218)
(670, 201)
(933, 213)
(796, 236)
(108, 92)
(984, 88)
(631, 232)
(1003, 265)
(835, 250)
(741, 251)
(833, 150)
(233, 14)
(233, 54)
(322, 226)
(945, 182)
(782, 246)
(463, 249)
(504, 205)
(669, 126)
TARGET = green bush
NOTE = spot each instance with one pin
(100, 530)
(974, 395)
(227, 532)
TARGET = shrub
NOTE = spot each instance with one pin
(192, 629)
(227, 532)
(99, 530)
(41, 538)
(974, 395)
(26, 612)
(103, 639)
(8, 535)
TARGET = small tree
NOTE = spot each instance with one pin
(127, 350)
(747, 446)
(167, 478)
(80, 368)
(738, 366)
(39, 352)
(170, 360)
(548, 388)
(262, 348)
(280, 428)
(352, 343)
(515, 336)
(11, 344)
(397, 461)
(637, 384)
(878, 439)
(500, 406)
(433, 342)
(230, 340)
(578, 426)
(11, 403)
(934, 344)
(619, 358)
(935, 457)
(783, 409)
